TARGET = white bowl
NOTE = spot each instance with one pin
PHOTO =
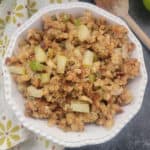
(92, 134)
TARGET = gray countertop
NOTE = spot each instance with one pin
(136, 134)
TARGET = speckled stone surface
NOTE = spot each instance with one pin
(136, 134)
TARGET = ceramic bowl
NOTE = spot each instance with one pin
(93, 134)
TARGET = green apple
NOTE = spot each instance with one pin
(147, 4)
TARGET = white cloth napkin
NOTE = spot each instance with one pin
(13, 13)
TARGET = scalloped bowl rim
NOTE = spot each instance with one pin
(7, 89)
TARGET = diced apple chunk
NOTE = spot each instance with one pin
(83, 33)
(34, 92)
(78, 106)
(40, 54)
(88, 58)
(36, 66)
(45, 77)
(17, 70)
(61, 63)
